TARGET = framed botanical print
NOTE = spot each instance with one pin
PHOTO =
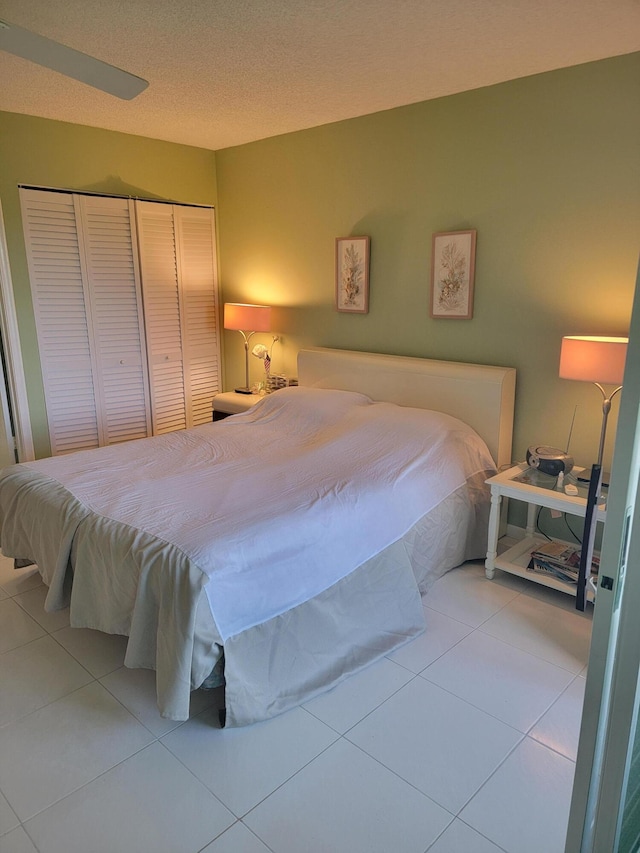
(453, 261)
(352, 274)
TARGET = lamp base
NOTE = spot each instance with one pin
(242, 390)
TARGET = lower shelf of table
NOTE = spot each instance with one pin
(516, 559)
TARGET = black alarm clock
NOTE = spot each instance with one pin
(549, 460)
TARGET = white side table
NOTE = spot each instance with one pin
(536, 490)
(232, 403)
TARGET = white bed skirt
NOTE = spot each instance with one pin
(367, 614)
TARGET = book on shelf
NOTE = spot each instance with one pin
(560, 560)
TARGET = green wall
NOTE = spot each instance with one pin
(55, 154)
(546, 168)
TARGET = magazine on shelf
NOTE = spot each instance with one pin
(559, 560)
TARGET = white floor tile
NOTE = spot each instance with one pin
(237, 839)
(512, 582)
(244, 765)
(36, 674)
(8, 818)
(344, 801)
(556, 635)
(437, 742)
(442, 633)
(16, 626)
(345, 705)
(136, 689)
(60, 747)
(504, 681)
(559, 729)
(460, 838)
(99, 653)
(528, 586)
(33, 602)
(524, 807)
(14, 581)
(148, 804)
(466, 595)
(16, 842)
(76, 762)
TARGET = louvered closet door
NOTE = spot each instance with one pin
(55, 272)
(178, 263)
(88, 309)
(195, 241)
(156, 238)
(121, 357)
(115, 317)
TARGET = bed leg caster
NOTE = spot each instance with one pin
(222, 717)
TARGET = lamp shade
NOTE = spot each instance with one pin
(249, 318)
(593, 359)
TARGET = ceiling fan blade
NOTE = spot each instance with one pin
(70, 62)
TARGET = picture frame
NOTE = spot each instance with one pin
(352, 274)
(453, 263)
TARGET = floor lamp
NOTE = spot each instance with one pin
(247, 319)
(601, 361)
(598, 360)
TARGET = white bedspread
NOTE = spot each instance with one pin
(342, 478)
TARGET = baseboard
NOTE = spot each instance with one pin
(515, 532)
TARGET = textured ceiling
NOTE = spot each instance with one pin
(225, 72)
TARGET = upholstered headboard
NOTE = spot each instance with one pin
(480, 395)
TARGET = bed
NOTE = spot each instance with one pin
(280, 550)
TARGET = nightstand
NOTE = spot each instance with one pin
(536, 490)
(231, 403)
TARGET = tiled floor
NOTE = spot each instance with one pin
(463, 741)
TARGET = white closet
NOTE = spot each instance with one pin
(177, 252)
(125, 303)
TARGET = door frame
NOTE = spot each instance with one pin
(15, 385)
(610, 703)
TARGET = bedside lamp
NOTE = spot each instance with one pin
(598, 360)
(247, 319)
